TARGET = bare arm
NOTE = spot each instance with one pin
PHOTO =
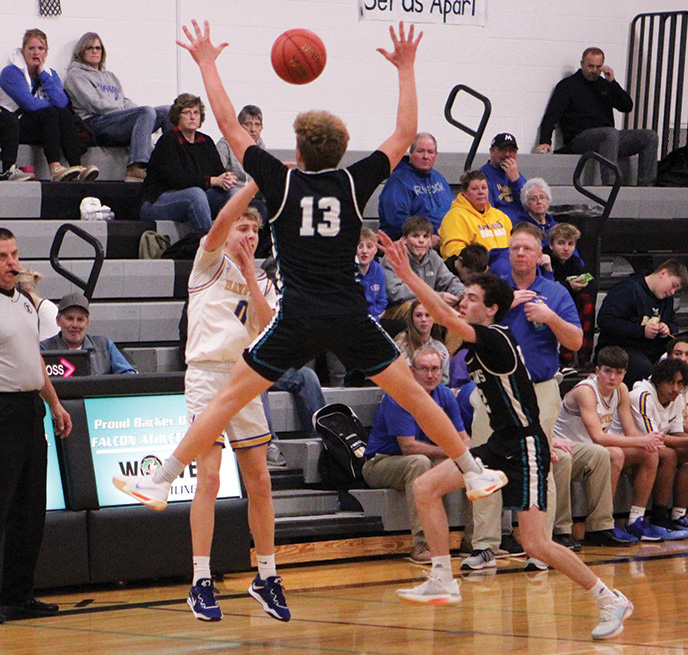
(204, 54)
(397, 256)
(61, 419)
(411, 446)
(229, 214)
(403, 57)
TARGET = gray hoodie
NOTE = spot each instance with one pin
(94, 92)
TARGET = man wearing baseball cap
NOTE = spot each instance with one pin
(72, 318)
(503, 178)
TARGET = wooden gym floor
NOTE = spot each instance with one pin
(349, 607)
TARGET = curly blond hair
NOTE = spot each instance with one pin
(321, 138)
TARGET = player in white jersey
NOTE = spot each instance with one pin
(627, 448)
(657, 404)
(229, 305)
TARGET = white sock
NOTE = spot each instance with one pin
(442, 568)
(636, 513)
(201, 567)
(169, 471)
(266, 566)
(601, 592)
(466, 463)
(677, 513)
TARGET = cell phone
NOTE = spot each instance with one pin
(583, 278)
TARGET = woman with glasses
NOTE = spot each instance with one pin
(98, 99)
(33, 93)
(186, 181)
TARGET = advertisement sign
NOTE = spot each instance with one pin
(55, 495)
(133, 435)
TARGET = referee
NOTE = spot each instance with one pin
(24, 385)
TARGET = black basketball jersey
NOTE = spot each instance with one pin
(316, 224)
(496, 365)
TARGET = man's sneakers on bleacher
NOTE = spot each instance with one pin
(14, 174)
(432, 592)
(202, 601)
(270, 595)
(613, 611)
(144, 489)
(484, 483)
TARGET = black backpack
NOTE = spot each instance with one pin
(344, 441)
(673, 169)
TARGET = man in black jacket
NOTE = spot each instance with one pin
(638, 315)
(582, 105)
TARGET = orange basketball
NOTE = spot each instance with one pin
(298, 56)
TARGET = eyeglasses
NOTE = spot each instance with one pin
(95, 48)
(190, 112)
(428, 369)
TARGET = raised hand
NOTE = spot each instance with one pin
(200, 46)
(396, 254)
(404, 54)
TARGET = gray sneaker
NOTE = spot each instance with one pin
(479, 559)
(275, 457)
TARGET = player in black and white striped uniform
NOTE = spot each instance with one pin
(518, 446)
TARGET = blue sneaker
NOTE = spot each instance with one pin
(681, 524)
(671, 535)
(645, 531)
(270, 595)
(622, 535)
(202, 601)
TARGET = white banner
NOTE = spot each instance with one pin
(451, 12)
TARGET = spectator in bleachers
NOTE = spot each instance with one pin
(657, 405)
(47, 310)
(415, 188)
(9, 145)
(186, 181)
(472, 259)
(98, 99)
(73, 314)
(398, 451)
(370, 274)
(583, 426)
(421, 331)
(638, 315)
(503, 177)
(568, 270)
(583, 106)
(426, 263)
(472, 219)
(34, 93)
(536, 197)
(251, 119)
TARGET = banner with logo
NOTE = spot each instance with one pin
(54, 492)
(133, 435)
(451, 12)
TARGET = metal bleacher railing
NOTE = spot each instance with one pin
(656, 71)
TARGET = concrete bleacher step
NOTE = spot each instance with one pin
(286, 478)
(134, 322)
(344, 525)
(305, 502)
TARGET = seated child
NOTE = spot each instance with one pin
(472, 259)
(568, 270)
(370, 273)
(426, 263)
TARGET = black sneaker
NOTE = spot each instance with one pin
(29, 609)
(567, 541)
(511, 545)
(607, 538)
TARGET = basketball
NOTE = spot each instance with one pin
(298, 56)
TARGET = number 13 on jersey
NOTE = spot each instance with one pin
(324, 219)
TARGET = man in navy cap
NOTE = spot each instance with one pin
(503, 178)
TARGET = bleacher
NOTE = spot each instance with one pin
(138, 303)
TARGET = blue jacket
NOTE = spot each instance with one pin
(104, 355)
(374, 288)
(504, 195)
(409, 192)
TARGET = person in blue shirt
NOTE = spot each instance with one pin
(503, 177)
(370, 274)
(398, 451)
(415, 188)
(72, 318)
